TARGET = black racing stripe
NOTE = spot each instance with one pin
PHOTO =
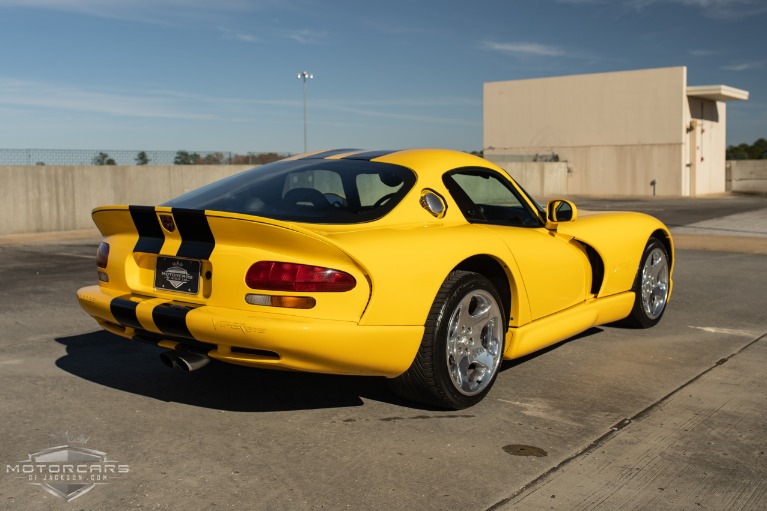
(197, 241)
(124, 312)
(171, 320)
(368, 155)
(150, 236)
(327, 154)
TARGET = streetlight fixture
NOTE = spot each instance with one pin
(305, 75)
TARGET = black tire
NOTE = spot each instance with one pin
(651, 286)
(459, 344)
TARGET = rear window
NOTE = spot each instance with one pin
(311, 191)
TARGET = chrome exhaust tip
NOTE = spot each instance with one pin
(184, 360)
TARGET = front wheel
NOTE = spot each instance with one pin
(462, 346)
(651, 286)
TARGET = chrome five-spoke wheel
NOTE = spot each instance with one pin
(651, 286)
(474, 341)
(462, 345)
(655, 283)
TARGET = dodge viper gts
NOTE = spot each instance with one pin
(428, 267)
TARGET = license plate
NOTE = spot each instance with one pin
(180, 275)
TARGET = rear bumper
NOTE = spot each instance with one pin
(256, 338)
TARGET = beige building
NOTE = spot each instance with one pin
(617, 132)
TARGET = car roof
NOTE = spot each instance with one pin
(427, 163)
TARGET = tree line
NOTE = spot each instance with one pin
(190, 158)
(187, 158)
(755, 151)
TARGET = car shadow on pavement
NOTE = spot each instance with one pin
(135, 367)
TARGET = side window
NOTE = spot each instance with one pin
(486, 197)
(377, 189)
(486, 189)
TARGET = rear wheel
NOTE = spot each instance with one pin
(462, 346)
(651, 286)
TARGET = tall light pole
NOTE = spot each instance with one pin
(305, 75)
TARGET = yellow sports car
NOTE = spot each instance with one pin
(427, 267)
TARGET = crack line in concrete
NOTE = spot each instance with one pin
(617, 427)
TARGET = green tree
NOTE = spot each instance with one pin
(103, 159)
(186, 158)
(142, 158)
(759, 150)
(256, 158)
(211, 159)
(755, 151)
(738, 152)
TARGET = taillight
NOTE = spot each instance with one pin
(276, 276)
(102, 256)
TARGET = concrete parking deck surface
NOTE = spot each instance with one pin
(701, 447)
(674, 417)
(723, 223)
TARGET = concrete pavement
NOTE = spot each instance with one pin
(721, 223)
(703, 445)
(667, 418)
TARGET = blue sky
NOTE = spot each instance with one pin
(221, 74)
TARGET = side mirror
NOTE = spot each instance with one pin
(560, 210)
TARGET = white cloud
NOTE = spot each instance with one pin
(310, 37)
(113, 7)
(525, 49)
(745, 66)
(418, 103)
(704, 53)
(718, 9)
(169, 12)
(17, 94)
(199, 13)
(235, 35)
(399, 116)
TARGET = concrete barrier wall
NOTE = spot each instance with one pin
(540, 179)
(49, 198)
(747, 176)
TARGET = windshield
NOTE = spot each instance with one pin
(308, 190)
